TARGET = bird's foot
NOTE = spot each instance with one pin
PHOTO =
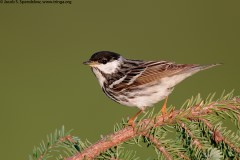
(164, 109)
(131, 120)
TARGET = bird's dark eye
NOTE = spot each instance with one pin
(103, 61)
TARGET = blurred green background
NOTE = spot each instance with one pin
(44, 84)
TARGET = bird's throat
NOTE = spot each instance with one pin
(101, 78)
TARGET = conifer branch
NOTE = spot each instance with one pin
(159, 146)
(182, 156)
(197, 124)
(59, 139)
(195, 141)
(218, 136)
(145, 125)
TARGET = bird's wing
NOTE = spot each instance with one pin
(151, 71)
(157, 70)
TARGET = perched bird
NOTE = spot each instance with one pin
(138, 83)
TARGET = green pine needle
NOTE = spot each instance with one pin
(185, 137)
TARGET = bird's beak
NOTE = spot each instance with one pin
(90, 63)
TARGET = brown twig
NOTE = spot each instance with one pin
(181, 155)
(61, 140)
(195, 141)
(218, 136)
(119, 137)
(145, 125)
(159, 146)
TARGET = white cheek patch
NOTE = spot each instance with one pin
(110, 67)
(99, 76)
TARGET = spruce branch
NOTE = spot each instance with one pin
(197, 124)
(56, 140)
(194, 141)
(158, 145)
(219, 138)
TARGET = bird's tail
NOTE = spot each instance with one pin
(203, 67)
(192, 70)
(196, 68)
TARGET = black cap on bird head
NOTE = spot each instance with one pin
(102, 57)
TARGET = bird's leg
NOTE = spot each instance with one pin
(164, 107)
(131, 120)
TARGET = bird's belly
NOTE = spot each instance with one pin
(146, 96)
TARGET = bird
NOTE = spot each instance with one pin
(139, 83)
